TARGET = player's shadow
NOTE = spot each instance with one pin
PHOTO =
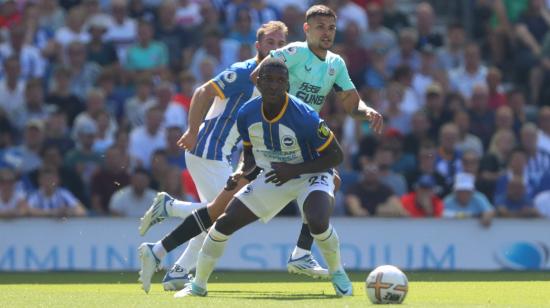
(273, 295)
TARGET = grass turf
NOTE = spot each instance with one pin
(271, 289)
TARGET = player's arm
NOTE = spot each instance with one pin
(200, 103)
(331, 155)
(358, 109)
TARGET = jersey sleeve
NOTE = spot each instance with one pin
(229, 82)
(291, 54)
(242, 127)
(318, 133)
(343, 80)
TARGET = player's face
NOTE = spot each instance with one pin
(273, 83)
(320, 32)
(270, 41)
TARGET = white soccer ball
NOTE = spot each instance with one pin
(387, 284)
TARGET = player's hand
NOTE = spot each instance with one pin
(187, 141)
(233, 180)
(281, 173)
(376, 120)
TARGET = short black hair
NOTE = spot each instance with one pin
(273, 63)
(319, 10)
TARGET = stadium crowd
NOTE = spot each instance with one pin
(94, 95)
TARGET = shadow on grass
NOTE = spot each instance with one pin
(272, 295)
(255, 277)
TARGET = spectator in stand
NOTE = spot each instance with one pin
(179, 40)
(262, 12)
(493, 164)
(426, 75)
(451, 55)
(403, 74)
(405, 53)
(447, 162)
(9, 15)
(52, 157)
(136, 106)
(465, 201)
(384, 159)
(83, 73)
(99, 50)
(51, 200)
(532, 26)
(134, 199)
(542, 203)
(73, 30)
(377, 35)
(174, 113)
(515, 169)
(515, 202)
(95, 104)
(52, 16)
(349, 12)
(504, 119)
(60, 94)
(105, 137)
(188, 14)
(13, 201)
(516, 101)
(371, 197)
(420, 128)
(426, 166)
(466, 141)
(30, 59)
(121, 29)
(402, 162)
(12, 88)
(83, 159)
(396, 118)
(464, 78)
(423, 202)
(174, 153)
(355, 55)
(145, 139)
(538, 161)
(482, 119)
(57, 132)
(376, 73)
(159, 169)
(543, 134)
(224, 52)
(34, 107)
(394, 19)
(425, 20)
(242, 31)
(171, 184)
(545, 63)
(292, 16)
(188, 84)
(497, 98)
(29, 151)
(106, 181)
(437, 111)
(146, 54)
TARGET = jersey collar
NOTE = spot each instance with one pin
(280, 115)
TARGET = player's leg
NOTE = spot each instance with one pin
(236, 216)
(301, 260)
(317, 205)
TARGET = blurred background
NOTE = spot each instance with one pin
(95, 93)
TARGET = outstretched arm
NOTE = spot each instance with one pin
(358, 109)
(200, 103)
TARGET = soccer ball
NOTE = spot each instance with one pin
(387, 284)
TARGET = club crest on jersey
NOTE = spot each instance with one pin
(291, 50)
(230, 76)
(331, 71)
(323, 130)
(288, 141)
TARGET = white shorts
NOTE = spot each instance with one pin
(265, 200)
(209, 175)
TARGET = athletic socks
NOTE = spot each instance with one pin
(183, 209)
(188, 259)
(192, 226)
(305, 241)
(159, 251)
(329, 244)
(212, 249)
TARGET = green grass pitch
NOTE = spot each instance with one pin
(272, 289)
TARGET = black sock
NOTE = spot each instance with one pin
(305, 241)
(192, 226)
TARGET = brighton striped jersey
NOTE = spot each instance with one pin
(295, 135)
(218, 135)
(61, 198)
(311, 78)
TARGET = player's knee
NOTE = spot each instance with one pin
(317, 210)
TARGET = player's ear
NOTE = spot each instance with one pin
(306, 27)
(257, 45)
